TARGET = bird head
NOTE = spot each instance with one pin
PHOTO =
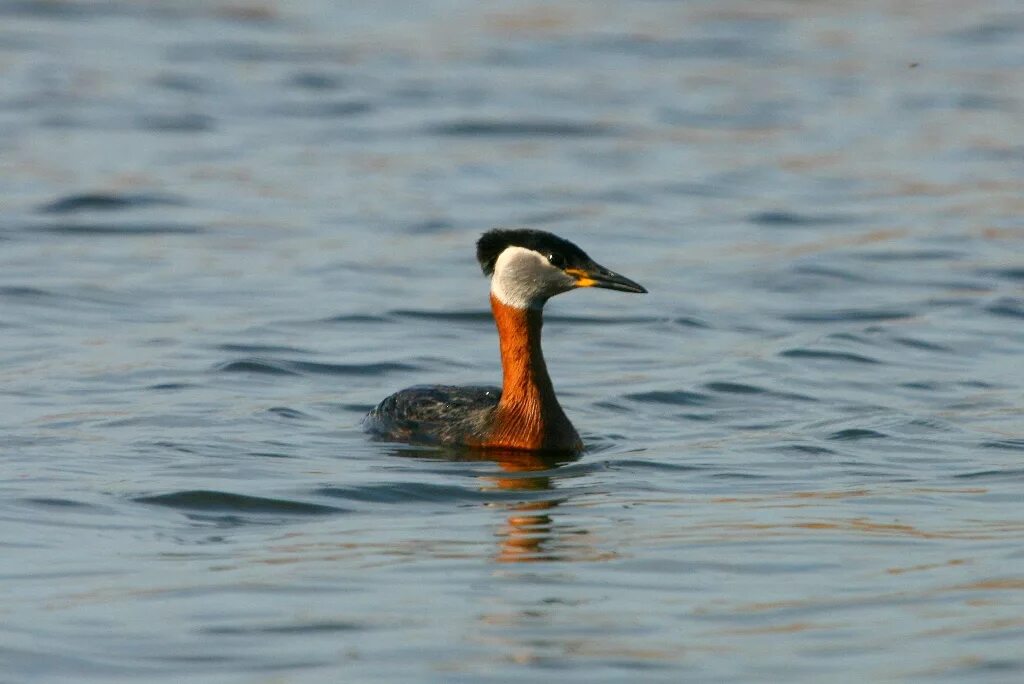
(528, 267)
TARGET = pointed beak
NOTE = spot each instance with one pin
(599, 276)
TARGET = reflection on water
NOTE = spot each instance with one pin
(530, 534)
(533, 531)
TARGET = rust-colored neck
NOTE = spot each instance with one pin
(528, 415)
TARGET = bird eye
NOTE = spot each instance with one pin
(556, 260)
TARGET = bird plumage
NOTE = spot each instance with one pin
(526, 268)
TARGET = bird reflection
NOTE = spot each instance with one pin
(527, 535)
(530, 533)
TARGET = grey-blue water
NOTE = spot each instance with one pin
(229, 228)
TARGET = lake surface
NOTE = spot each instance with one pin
(227, 229)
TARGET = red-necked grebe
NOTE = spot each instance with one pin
(526, 267)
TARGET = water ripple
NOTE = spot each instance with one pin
(675, 398)
(1011, 308)
(51, 502)
(269, 366)
(740, 388)
(1007, 273)
(786, 219)
(222, 50)
(826, 355)
(261, 348)
(356, 318)
(21, 292)
(289, 413)
(413, 492)
(854, 434)
(682, 48)
(639, 464)
(921, 344)
(186, 122)
(106, 202)
(848, 315)
(327, 110)
(227, 502)
(1007, 474)
(502, 128)
(118, 229)
(316, 80)
(300, 628)
(910, 255)
(1013, 444)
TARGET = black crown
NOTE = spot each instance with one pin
(492, 243)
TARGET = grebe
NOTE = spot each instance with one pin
(526, 268)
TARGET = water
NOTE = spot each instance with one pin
(229, 228)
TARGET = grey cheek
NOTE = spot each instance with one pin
(565, 283)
